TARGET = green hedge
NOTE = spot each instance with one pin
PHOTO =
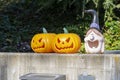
(21, 19)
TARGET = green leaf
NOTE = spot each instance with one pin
(117, 6)
(96, 2)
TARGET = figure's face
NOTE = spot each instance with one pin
(93, 42)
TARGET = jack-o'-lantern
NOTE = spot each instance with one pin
(41, 42)
(66, 43)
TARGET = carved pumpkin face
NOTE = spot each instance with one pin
(66, 43)
(42, 42)
(94, 41)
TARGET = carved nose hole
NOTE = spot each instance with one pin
(62, 42)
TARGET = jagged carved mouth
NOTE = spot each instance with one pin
(64, 47)
(38, 47)
(93, 44)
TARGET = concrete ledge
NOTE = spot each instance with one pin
(112, 52)
(101, 66)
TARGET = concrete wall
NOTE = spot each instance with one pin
(102, 66)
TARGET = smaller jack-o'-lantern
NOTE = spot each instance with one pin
(66, 42)
(41, 42)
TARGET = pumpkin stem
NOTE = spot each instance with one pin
(44, 30)
(65, 30)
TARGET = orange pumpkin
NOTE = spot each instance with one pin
(41, 42)
(66, 43)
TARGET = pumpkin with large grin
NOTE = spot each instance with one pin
(66, 43)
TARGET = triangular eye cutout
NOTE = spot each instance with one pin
(68, 39)
(40, 39)
(58, 40)
(33, 41)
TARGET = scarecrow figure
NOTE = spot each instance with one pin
(94, 40)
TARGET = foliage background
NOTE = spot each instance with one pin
(21, 19)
